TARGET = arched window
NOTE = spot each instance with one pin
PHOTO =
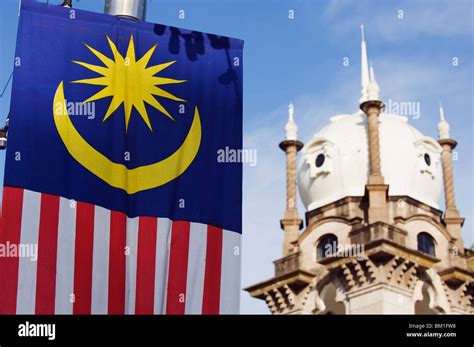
(426, 243)
(327, 245)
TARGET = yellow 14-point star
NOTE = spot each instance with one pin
(129, 81)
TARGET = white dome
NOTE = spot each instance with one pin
(411, 162)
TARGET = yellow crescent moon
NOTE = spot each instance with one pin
(118, 175)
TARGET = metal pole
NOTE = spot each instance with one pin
(126, 8)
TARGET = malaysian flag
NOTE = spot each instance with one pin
(114, 201)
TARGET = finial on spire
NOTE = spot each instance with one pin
(291, 111)
(443, 125)
(364, 67)
(291, 127)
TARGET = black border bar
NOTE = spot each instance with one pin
(260, 329)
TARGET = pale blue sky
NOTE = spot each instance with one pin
(301, 60)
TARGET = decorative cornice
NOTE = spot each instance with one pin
(332, 205)
(416, 203)
(437, 224)
(456, 275)
(348, 221)
(280, 292)
(461, 297)
(295, 279)
(350, 199)
(383, 263)
(366, 105)
(377, 187)
(389, 247)
(288, 143)
(456, 220)
(450, 142)
(293, 221)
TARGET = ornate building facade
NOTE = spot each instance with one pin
(376, 240)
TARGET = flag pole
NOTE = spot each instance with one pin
(126, 8)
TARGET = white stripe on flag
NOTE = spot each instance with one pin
(131, 265)
(65, 262)
(26, 298)
(100, 263)
(163, 241)
(196, 268)
(230, 275)
(65, 257)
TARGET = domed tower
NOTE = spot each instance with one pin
(376, 239)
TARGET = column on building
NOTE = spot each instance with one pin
(372, 106)
(452, 218)
(291, 222)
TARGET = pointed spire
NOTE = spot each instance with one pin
(364, 67)
(372, 72)
(443, 125)
(373, 87)
(441, 112)
(291, 127)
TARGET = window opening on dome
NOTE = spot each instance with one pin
(427, 159)
(320, 160)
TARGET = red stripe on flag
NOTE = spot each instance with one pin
(117, 263)
(47, 253)
(12, 206)
(83, 258)
(145, 288)
(178, 268)
(212, 274)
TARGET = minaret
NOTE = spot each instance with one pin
(452, 218)
(372, 106)
(291, 222)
